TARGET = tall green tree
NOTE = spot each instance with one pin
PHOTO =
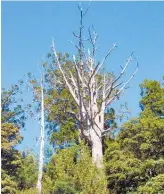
(12, 120)
(135, 160)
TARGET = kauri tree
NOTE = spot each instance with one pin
(91, 90)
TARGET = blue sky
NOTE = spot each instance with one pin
(28, 27)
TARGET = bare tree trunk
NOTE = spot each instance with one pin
(97, 151)
(41, 158)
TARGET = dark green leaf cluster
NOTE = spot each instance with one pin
(135, 160)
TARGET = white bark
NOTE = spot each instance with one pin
(97, 151)
(97, 147)
(41, 157)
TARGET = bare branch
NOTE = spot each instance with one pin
(93, 41)
(117, 85)
(100, 64)
(63, 74)
(122, 88)
(110, 51)
(59, 82)
(73, 80)
(104, 86)
(123, 69)
(99, 87)
(79, 49)
(87, 9)
(111, 89)
(80, 77)
(105, 132)
(75, 35)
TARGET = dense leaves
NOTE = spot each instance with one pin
(27, 172)
(71, 171)
(135, 160)
(12, 120)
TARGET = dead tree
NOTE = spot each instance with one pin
(92, 91)
(41, 157)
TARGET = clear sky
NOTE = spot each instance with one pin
(28, 27)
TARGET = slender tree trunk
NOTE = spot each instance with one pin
(41, 158)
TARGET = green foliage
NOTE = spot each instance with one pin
(8, 184)
(135, 160)
(110, 117)
(27, 172)
(72, 171)
(154, 185)
(11, 158)
(12, 120)
(29, 191)
(63, 187)
(60, 112)
(122, 168)
(144, 137)
(152, 97)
